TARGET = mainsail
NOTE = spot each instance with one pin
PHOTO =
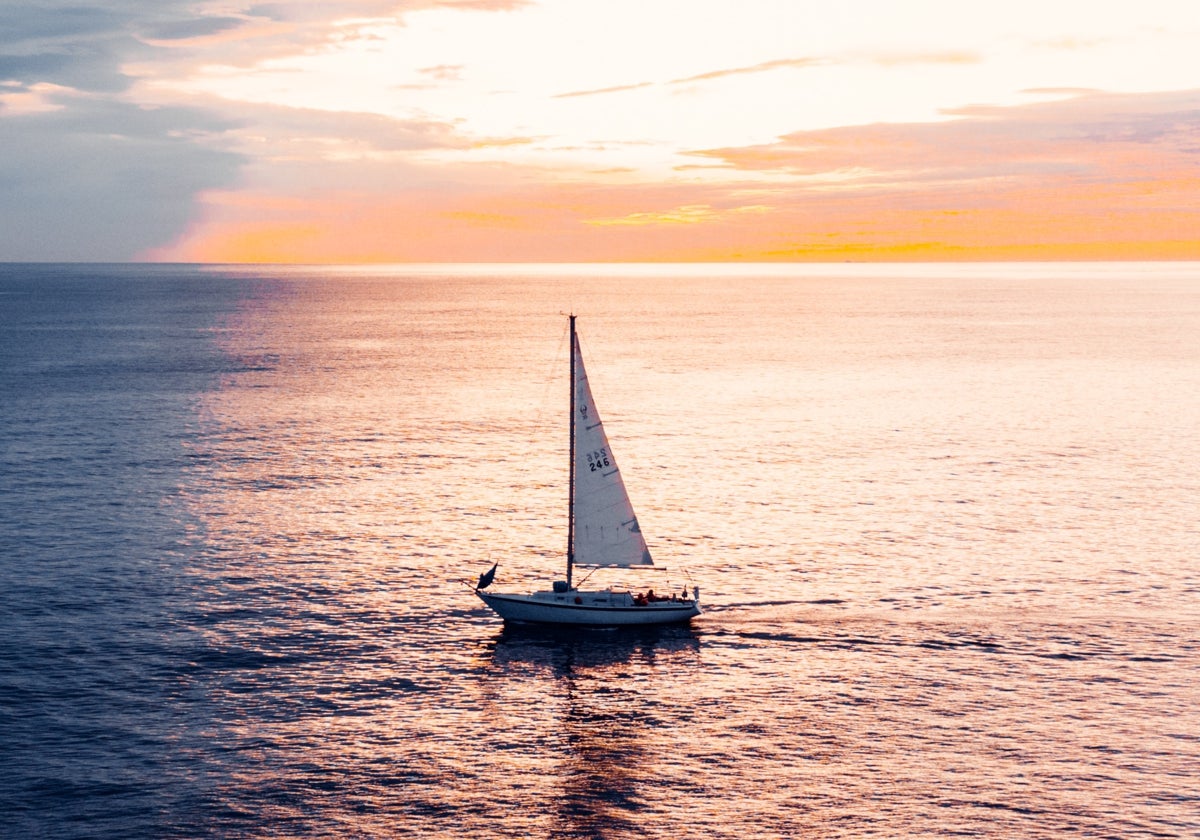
(606, 531)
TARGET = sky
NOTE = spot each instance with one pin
(364, 131)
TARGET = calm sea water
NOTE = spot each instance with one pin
(944, 521)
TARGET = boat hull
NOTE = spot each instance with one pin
(587, 609)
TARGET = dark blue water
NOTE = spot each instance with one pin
(102, 367)
(943, 519)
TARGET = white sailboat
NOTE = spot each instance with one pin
(602, 530)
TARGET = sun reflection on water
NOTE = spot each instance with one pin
(596, 689)
(929, 603)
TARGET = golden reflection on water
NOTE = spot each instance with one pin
(936, 528)
(598, 693)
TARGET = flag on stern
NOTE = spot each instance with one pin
(485, 579)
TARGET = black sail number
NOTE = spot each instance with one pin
(598, 460)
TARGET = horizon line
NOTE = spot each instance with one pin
(472, 263)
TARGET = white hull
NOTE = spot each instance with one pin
(588, 609)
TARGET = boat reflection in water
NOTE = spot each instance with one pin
(605, 692)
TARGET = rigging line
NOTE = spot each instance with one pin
(539, 422)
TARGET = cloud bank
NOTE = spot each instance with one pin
(478, 130)
(92, 170)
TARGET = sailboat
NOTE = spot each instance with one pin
(602, 531)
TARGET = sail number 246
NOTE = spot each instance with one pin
(598, 459)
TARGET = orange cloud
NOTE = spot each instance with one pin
(896, 59)
(1095, 177)
(443, 72)
(690, 214)
(566, 223)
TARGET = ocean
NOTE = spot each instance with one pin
(943, 519)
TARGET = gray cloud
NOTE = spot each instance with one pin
(75, 46)
(103, 180)
(193, 28)
(51, 21)
(99, 178)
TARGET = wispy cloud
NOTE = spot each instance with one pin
(443, 72)
(763, 67)
(503, 142)
(600, 91)
(901, 58)
(1091, 136)
(193, 29)
(17, 99)
(883, 59)
(690, 214)
(275, 132)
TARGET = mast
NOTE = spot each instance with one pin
(571, 477)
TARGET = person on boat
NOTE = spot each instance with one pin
(640, 600)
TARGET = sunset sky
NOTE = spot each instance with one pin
(575, 130)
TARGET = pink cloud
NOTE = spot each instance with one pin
(1100, 176)
(1094, 136)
